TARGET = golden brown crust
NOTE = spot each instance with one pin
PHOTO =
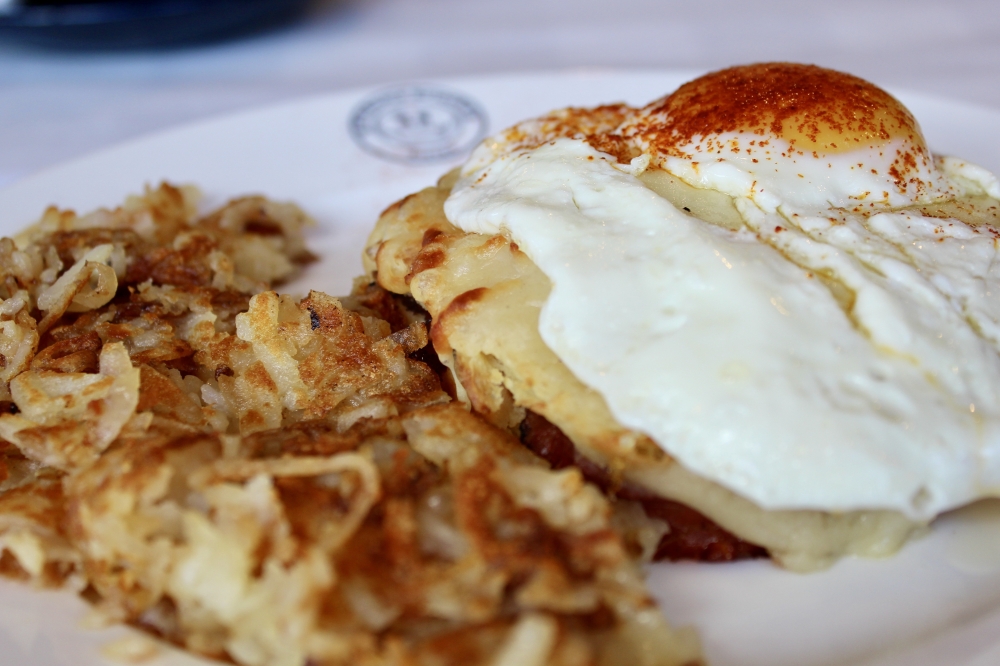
(399, 236)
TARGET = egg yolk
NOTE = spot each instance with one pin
(789, 115)
(812, 108)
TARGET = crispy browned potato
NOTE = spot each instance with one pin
(431, 535)
(280, 481)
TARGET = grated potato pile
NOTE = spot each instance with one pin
(278, 481)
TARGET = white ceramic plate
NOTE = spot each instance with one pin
(937, 602)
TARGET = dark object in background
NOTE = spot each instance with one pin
(137, 24)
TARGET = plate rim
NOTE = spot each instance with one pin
(454, 82)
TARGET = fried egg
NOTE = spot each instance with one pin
(833, 349)
(791, 134)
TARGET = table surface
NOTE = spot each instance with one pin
(58, 105)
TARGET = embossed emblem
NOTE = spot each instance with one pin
(416, 124)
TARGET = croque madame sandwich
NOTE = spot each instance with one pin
(759, 305)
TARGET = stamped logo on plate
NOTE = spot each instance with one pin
(418, 124)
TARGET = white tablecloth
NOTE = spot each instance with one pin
(58, 105)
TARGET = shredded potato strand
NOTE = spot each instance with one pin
(278, 481)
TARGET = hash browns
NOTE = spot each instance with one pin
(280, 481)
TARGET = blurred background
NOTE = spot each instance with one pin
(77, 76)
